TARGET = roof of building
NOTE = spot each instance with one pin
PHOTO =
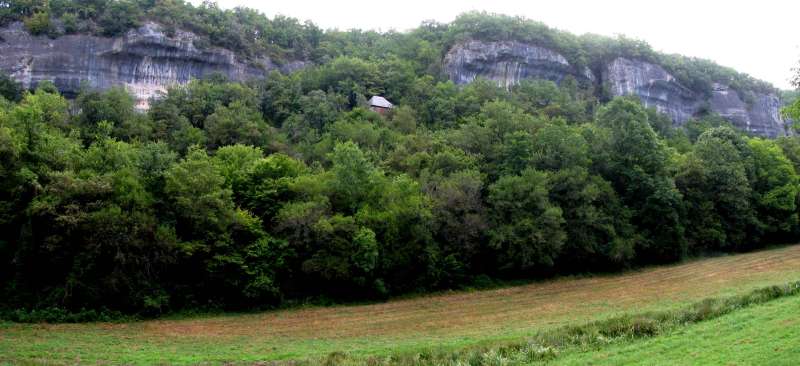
(378, 101)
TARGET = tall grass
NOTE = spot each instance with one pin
(546, 346)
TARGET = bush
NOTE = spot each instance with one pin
(61, 315)
(39, 24)
(10, 89)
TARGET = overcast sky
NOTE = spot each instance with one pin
(761, 38)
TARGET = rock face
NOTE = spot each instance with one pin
(761, 116)
(657, 88)
(507, 63)
(654, 86)
(145, 60)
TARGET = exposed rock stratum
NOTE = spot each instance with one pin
(145, 60)
(509, 62)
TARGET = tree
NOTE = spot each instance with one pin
(460, 221)
(266, 185)
(527, 230)
(637, 168)
(597, 224)
(119, 16)
(97, 233)
(280, 97)
(10, 88)
(775, 189)
(716, 188)
(39, 24)
(236, 123)
(114, 106)
(793, 110)
(319, 108)
(400, 215)
(404, 119)
(501, 135)
(201, 200)
(354, 177)
(348, 76)
(348, 253)
(224, 245)
(547, 99)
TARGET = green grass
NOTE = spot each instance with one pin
(546, 346)
(766, 334)
(441, 323)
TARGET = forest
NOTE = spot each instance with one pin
(238, 196)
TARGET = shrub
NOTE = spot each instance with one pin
(39, 24)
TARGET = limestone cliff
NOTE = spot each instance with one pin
(654, 86)
(145, 60)
(761, 116)
(508, 62)
(657, 88)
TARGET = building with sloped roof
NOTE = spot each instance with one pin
(380, 104)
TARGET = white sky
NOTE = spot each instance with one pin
(761, 38)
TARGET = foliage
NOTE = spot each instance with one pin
(527, 229)
(240, 29)
(9, 88)
(635, 163)
(716, 190)
(792, 109)
(39, 24)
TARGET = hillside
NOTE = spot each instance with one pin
(433, 324)
(150, 46)
(503, 153)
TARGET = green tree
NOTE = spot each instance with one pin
(224, 245)
(354, 177)
(404, 119)
(637, 168)
(714, 182)
(460, 221)
(39, 24)
(793, 110)
(119, 16)
(266, 185)
(114, 106)
(234, 124)
(775, 189)
(527, 230)
(10, 89)
(280, 97)
(597, 224)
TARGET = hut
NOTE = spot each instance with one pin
(380, 104)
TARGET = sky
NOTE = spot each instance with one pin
(760, 38)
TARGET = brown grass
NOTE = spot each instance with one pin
(519, 307)
(470, 316)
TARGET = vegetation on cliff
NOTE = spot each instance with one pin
(251, 34)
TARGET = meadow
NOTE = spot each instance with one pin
(440, 322)
(767, 334)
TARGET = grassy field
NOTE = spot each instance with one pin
(767, 334)
(440, 321)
